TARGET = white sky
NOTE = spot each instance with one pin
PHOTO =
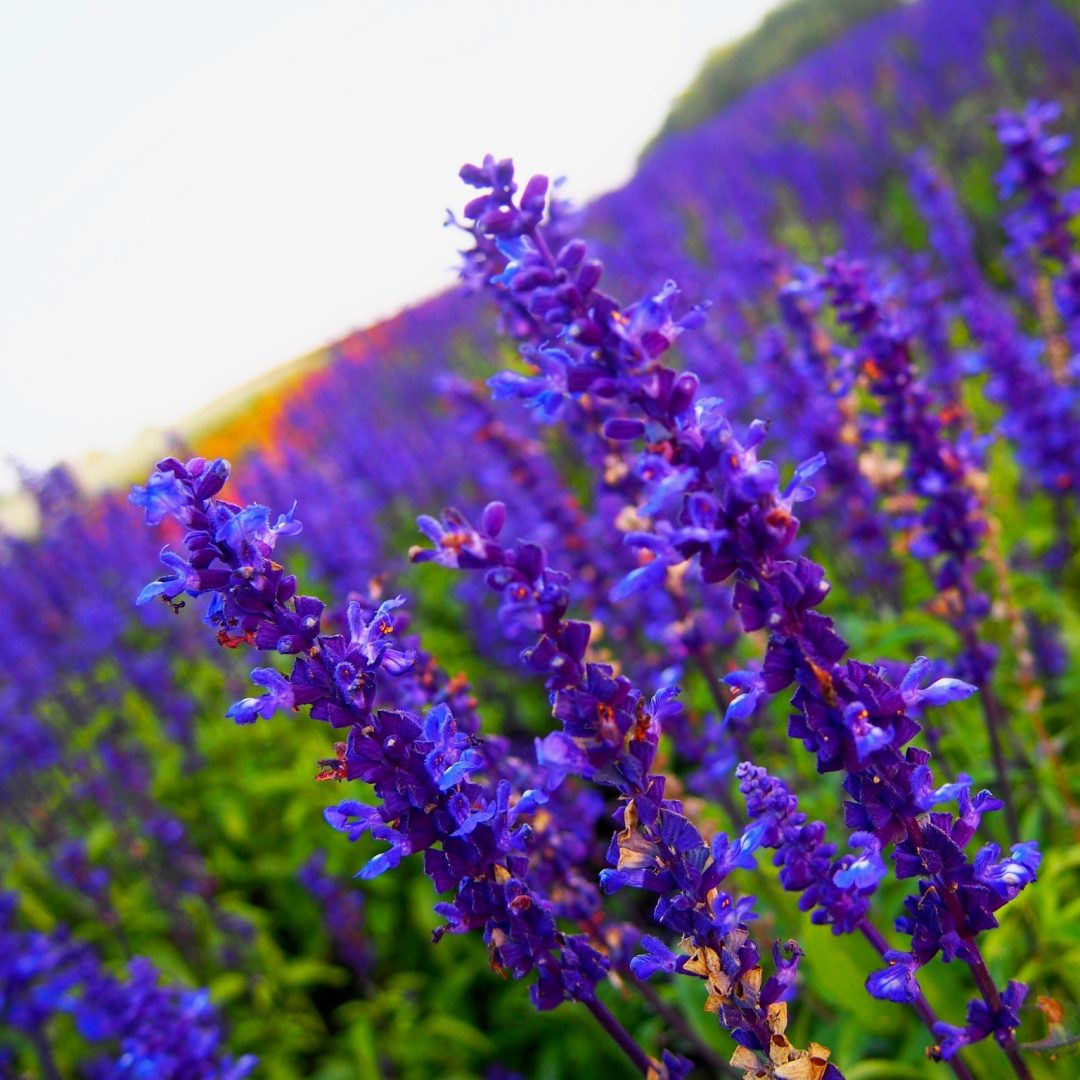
(192, 193)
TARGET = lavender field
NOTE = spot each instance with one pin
(655, 655)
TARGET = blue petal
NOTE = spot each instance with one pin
(386, 860)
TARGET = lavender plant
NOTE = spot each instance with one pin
(712, 499)
(475, 838)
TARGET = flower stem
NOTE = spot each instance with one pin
(920, 1004)
(49, 1068)
(992, 714)
(671, 1015)
(675, 1020)
(974, 960)
(625, 1041)
(992, 998)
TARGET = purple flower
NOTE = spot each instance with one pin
(280, 696)
(939, 692)
(657, 957)
(372, 639)
(984, 1020)
(163, 495)
(865, 871)
(452, 758)
(869, 738)
(1009, 875)
(836, 890)
(927, 797)
(897, 981)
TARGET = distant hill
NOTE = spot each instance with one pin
(235, 421)
(785, 35)
(796, 139)
(772, 139)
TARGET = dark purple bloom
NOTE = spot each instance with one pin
(897, 981)
(421, 769)
(280, 696)
(983, 1020)
(657, 957)
(162, 496)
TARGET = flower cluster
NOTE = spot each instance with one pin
(897, 365)
(837, 891)
(941, 467)
(1039, 409)
(710, 499)
(476, 839)
(610, 734)
(824, 419)
(946, 523)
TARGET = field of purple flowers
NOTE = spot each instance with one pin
(681, 633)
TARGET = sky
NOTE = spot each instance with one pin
(195, 193)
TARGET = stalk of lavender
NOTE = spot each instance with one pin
(943, 466)
(715, 501)
(1044, 439)
(1039, 226)
(941, 469)
(539, 293)
(419, 768)
(610, 734)
(837, 891)
(823, 418)
(1040, 235)
(1041, 416)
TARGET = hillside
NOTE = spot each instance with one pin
(783, 38)
(234, 420)
(785, 104)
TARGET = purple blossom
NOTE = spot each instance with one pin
(657, 957)
(280, 696)
(897, 981)
(984, 1020)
